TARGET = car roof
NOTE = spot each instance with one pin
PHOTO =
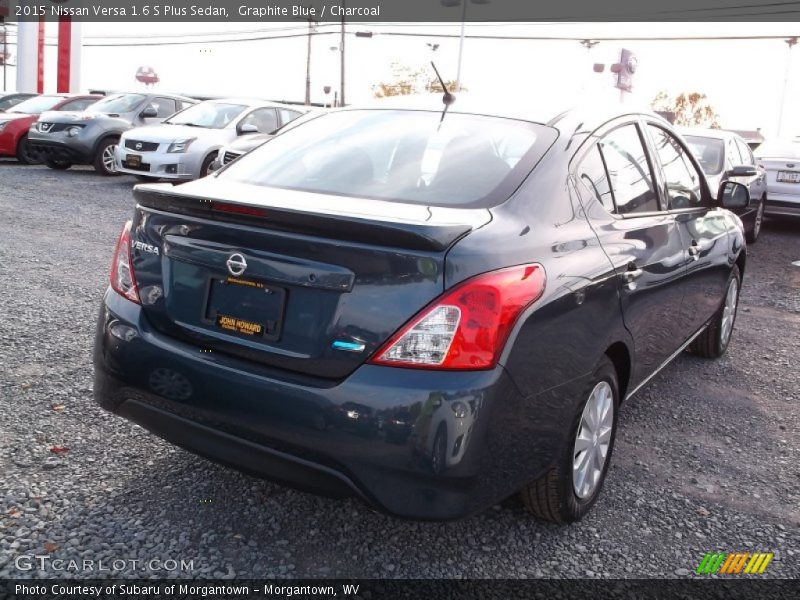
(717, 134)
(566, 114)
(256, 102)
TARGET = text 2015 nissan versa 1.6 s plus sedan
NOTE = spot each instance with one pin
(429, 309)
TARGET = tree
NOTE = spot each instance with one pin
(692, 108)
(409, 80)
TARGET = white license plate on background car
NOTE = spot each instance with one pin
(789, 176)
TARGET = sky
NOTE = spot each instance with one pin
(743, 79)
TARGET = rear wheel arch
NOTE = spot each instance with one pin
(620, 357)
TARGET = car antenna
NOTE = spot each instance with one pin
(448, 98)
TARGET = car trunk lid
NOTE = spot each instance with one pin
(306, 282)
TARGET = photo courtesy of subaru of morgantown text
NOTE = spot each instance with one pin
(364, 298)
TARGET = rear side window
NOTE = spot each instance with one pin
(592, 178)
(629, 171)
(402, 155)
(682, 180)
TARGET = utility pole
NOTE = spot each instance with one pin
(308, 60)
(341, 50)
(791, 42)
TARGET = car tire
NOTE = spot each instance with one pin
(104, 157)
(205, 168)
(25, 154)
(713, 342)
(565, 493)
(752, 234)
(58, 165)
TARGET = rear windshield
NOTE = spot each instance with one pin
(779, 149)
(400, 155)
(121, 103)
(710, 152)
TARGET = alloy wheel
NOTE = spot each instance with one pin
(728, 313)
(108, 158)
(593, 440)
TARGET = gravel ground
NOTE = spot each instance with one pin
(707, 456)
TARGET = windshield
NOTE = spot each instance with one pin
(213, 115)
(779, 149)
(37, 105)
(710, 152)
(401, 155)
(121, 103)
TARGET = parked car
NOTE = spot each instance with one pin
(781, 159)
(238, 147)
(185, 145)
(539, 261)
(90, 137)
(10, 100)
(15, 122)
(724, 156)
(246, 143)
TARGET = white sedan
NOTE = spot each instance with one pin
(184, 146)
(781, 159)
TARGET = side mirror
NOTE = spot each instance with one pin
(149, 113)
(733, 195)
(744, 171)
(248, 128)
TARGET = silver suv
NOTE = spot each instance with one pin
(91, 137)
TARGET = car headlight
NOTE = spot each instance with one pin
(179, 146)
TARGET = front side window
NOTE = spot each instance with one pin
(629, 171)
(287, 116)
(682, 181)
(212, 115)
(164, 107)
(402, 155)
(264, 119)
(710, 153)
(747, 154)
(120, 103)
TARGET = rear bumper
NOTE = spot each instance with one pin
(783, 204)
(373, 435)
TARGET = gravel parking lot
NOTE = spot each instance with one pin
(707, 456)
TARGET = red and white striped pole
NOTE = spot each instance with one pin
(31, 71)
(69, 56)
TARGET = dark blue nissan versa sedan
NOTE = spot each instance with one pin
(430, 309)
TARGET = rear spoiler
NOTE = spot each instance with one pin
(429, 235)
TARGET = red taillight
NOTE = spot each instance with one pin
(468, 326)
(123, 279)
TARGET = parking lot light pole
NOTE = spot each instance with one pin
(463, 5)
(791, 42)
